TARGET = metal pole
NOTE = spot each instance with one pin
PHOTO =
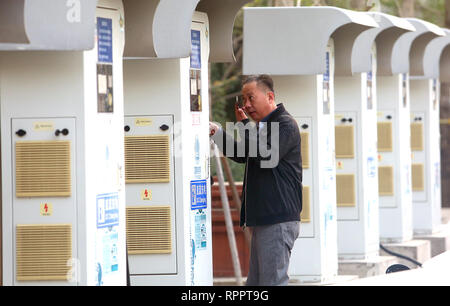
(228, 220)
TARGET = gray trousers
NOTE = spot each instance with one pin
(270, 253)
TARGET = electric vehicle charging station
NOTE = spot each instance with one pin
(356, 138)
(425, 134)
(169, 45)
(301, 60)
(62, 155)
(394, 145)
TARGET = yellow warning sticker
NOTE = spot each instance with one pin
(380, 157)
(46, 209)
(143, 121)
(43, 126)
(146, 195)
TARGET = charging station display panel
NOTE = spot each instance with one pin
(196, 71)
(105, 90)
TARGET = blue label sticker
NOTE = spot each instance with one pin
(198, 195)
(326, 76)
(371, 167)
(104, 40)
(196, 54)
(200, 229)
(110, 252)
(107, 210)
(370, 76)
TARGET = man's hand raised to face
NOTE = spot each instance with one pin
(239, 112)
(213, 128)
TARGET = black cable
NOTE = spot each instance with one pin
(128, 269)
(400, 256)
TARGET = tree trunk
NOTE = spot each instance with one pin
(284, 3)
(445, 129)
(358, 5)
(407, 8)
(447, 13)
(319, 3)
(445, 144)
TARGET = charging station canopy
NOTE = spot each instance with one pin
(47, 24)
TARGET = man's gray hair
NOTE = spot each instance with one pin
(262, 80)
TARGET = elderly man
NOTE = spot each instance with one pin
(272, 193)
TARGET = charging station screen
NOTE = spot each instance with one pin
(105, 92)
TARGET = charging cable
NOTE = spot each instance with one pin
(400, 256)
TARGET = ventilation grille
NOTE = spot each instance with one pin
(345, 141)
(345, 188)
(386, 181)
(147, 159)
(43, 169)
(305, 150)
(305, 215)
(43, 252)
(385, 137)
(417, 137)
(418, 179)
(148, 230)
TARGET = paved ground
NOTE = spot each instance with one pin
(340, 279)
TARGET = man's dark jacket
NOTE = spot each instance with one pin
(270, 195)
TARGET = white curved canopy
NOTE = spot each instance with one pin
(161, 28)
(410, 47)
(347, 50)
(420, 44)
(433, 54)
(390, 28)
(293, 40)
(222, 14)
(158, 28)
(47, 24)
